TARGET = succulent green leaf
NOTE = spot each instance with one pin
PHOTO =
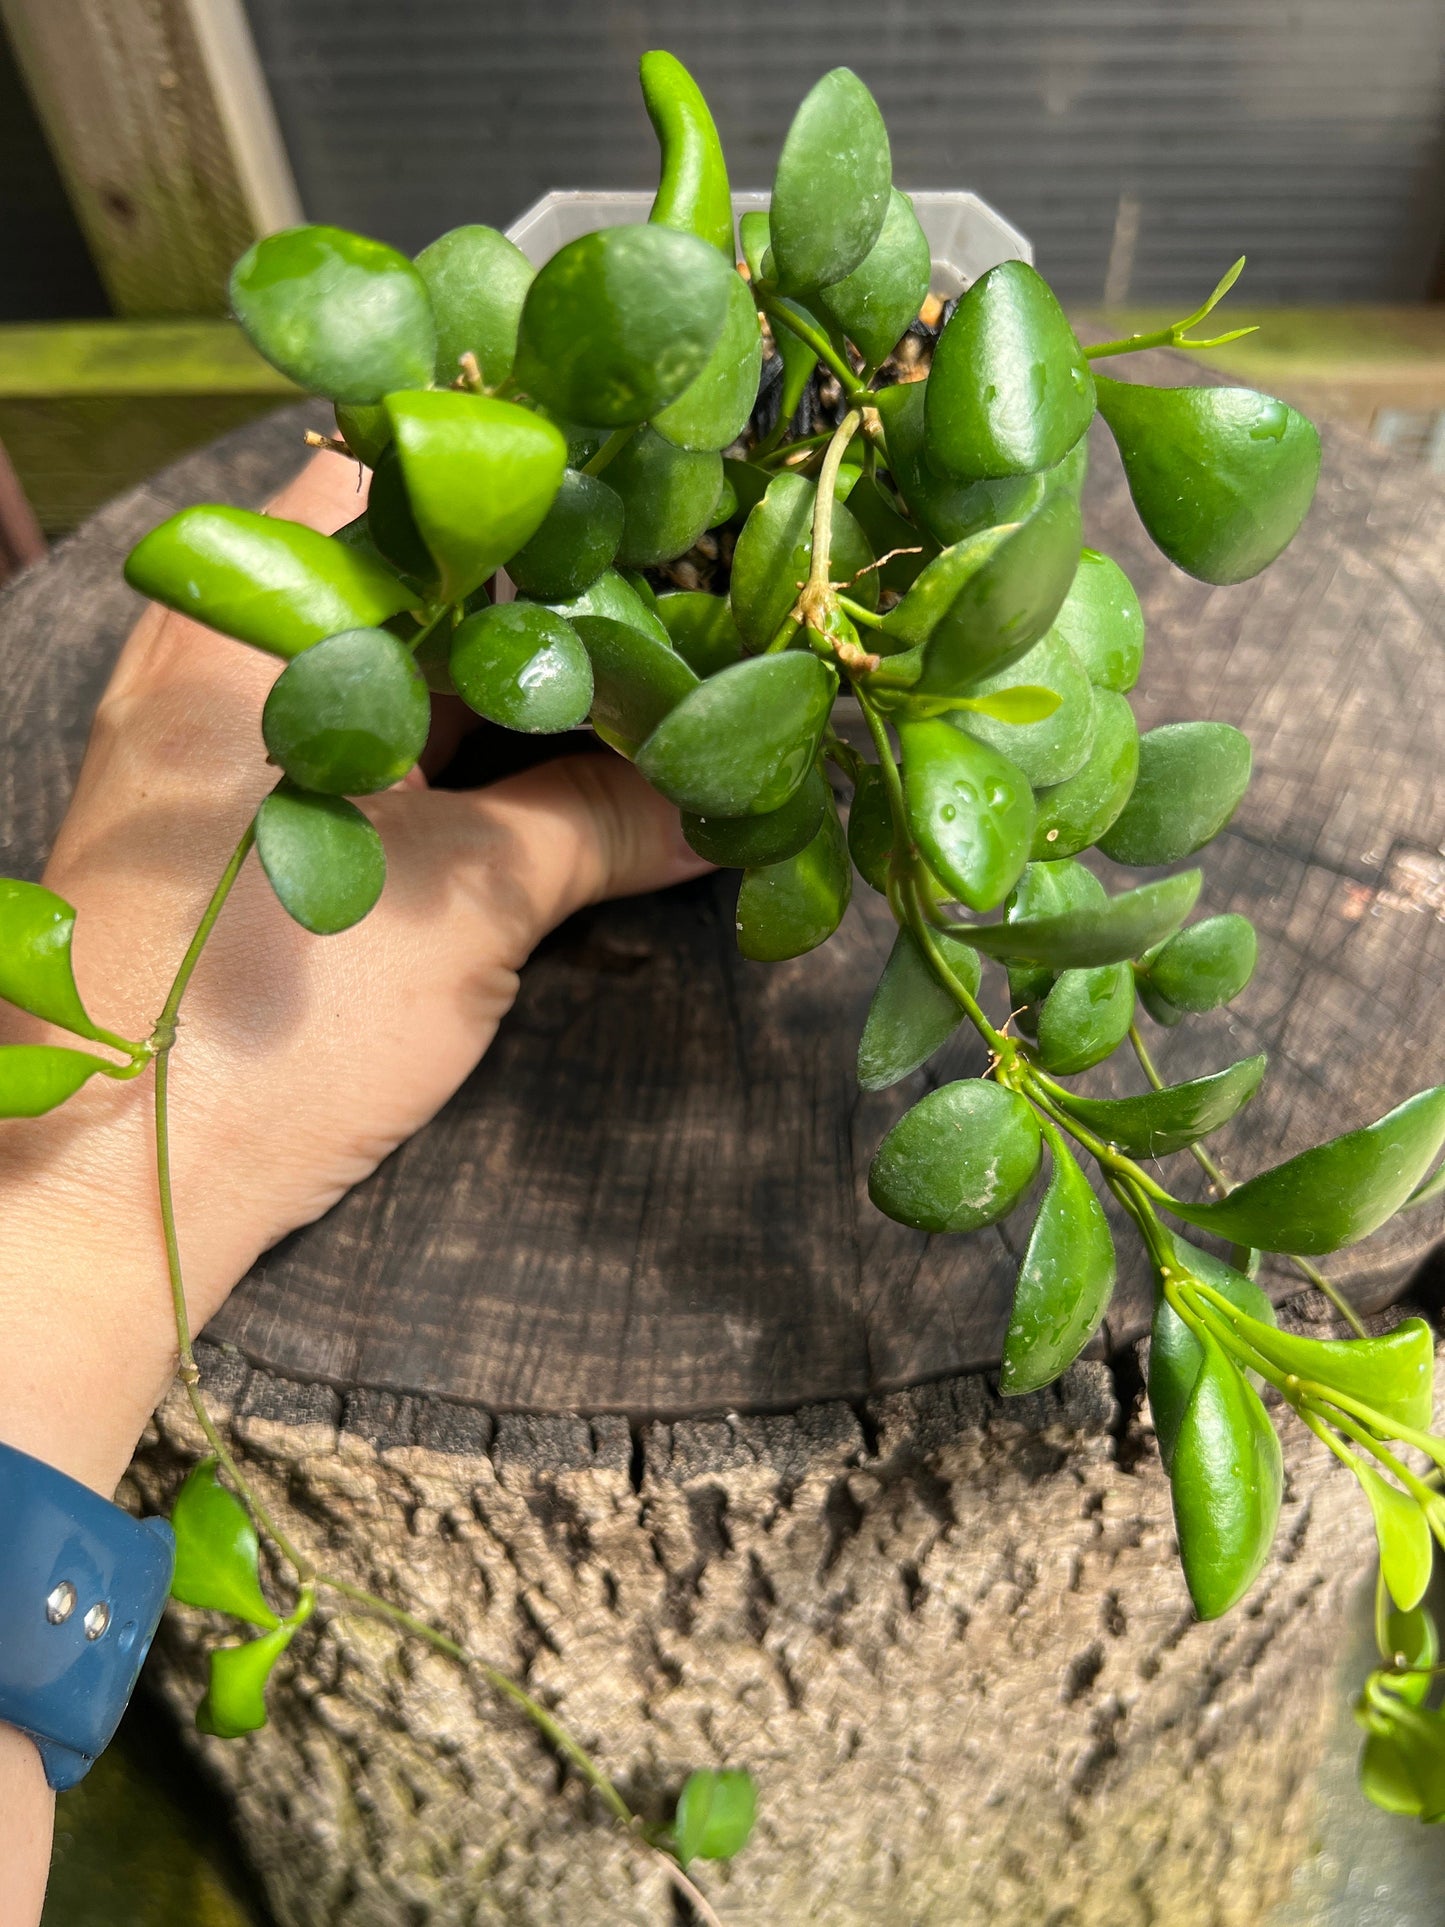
(235, 1699)
(217, 1554)
(1175, 1354)
(1425, 1190)
(1412, 1638)
(478, 281)
(1191, 778)
(1065, 1281)
(1227, 1479)
(1403, 1768)
(785, 909)
(1073, 815)
(349, 715)
(1394, 1373)
(1102, 622)
(771, 561)
(702, 630)
(692, 195)
(321, 856)
(480, 477)
(950, 511)
(618, 323)
(912, 1015)
(742, 742)
(577, 539)
(831, 190)
(1206, 965)
(870, 828)
(667, 496)
(392, 527)
(1016, 704)
(798, 359)
(713, 409)
(341, 315)
(1111, 932)
(1337, 1193)
(754, 239)
(1407, 1551)
(1010, 391)
(960, 1159)
(1158, 1123)
(1221, 477)
(753, 842)
(266, 581)
(637, 674)
(970, 810)
(715, 1814)
(523, 666)
(749, 485)
(1085, 1016)
(1054, 888)
(874, 304)
(37, 929)
(1049, 748)
(365, 429)
(34, 1078)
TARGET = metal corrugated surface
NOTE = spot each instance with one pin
(1307, 133)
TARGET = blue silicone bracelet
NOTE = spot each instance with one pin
(82, 1589)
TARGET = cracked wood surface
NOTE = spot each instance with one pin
(650, 1198)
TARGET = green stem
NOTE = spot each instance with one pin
(854, 390)
(765, 456)
(869, 618)
(612, 447)
(819, 588)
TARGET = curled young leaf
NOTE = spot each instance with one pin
(831, 190)
(1337, 1193)
(912, 1014)
(692, 195)
(786, 909)
(321, 856)
(960, 1159)
(235, 1698)
(217, 1555)
(1191, 778)
(1065, 1281)
(715, 1814)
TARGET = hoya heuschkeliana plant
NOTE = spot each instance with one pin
(538, 441)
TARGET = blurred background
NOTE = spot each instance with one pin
(1141, 145)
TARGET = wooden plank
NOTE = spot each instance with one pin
(163, 131)
(64, 360)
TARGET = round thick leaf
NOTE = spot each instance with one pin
(480, 476)
(1337, 1193)
(1055, 747)
(522, 666)
(831, 189)
(1221, 477)
(980, 606)
(881, 297)
(217, 1552)
(637, 675)
(478, 281)
(618, 323)
(1175, 1354)
(692, 195)
(1227, 1479)
(1122, 927)
(1206, 965)
(577, 540)
(950, 511)
(1158, 1123)
(365, 428)
(667, 497)
(37, 929)
(702, 629)
(263, 580)
(341, 315)
(750, 842)
(713, 409)
(1055, 888)
(912, 1014)
(1073, 815)
(1102, 622)
(34, 1078)
(1065, 1282)
(1010, 391)
(1191, 778)
(771, 561)
(785, 909)
(235, 1698)
(349, 715)
(742, 742)
(960, 1159)
(1085, 1016)
(870, 828)
(321, 857)
(971, 811)
(391, 526)
(715, 1814)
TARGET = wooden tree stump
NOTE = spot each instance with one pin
(949, 1635)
